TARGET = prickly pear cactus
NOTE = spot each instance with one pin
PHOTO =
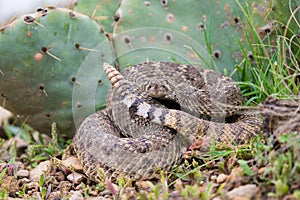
(219, 26)
(10, 10)
(102, 11)
(40, 56)
(159, 44)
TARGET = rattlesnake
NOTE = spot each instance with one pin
(154, 111)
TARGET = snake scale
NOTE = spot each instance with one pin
(154, 112)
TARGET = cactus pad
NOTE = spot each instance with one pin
(40, 56)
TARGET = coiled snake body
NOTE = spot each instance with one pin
(154, 111)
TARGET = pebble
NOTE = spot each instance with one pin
(36, 173)
(25, 180)
(75, 177)
(4, 115)
(23, 173)
(213, 177)
(76, 196)
(143, 185)
(243, 192)
(19, 142)
(73, 163)
(93, 192)
(221, 178)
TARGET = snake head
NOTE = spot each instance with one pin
(158, 88)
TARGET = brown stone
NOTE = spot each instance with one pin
(42, 168)
(75, 177)
(221, 178)
(243, 192)
(23, 173)
(73, 163)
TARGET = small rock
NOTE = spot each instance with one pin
(73, 163)
(221, 178)
(243, 192)
(76, 196)
(93, 192)
(30, 193)
(17, 141)
(23, 173)
(143, 185)
(75, 177)
(25, 180)
(213, 177)
(36, 173)
(4, 115)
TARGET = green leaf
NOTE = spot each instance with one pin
(244, 165)
(42, 180)
(2, 174)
